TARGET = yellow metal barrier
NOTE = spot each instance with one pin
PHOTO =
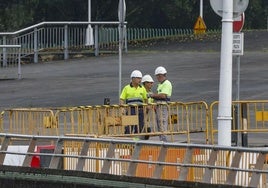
(117, 119)
(113, 120)
(247, 116)
(109, 120)
(184, 118)
(77, 120)
(35, 121)
(198, 118)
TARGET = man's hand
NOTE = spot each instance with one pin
(150, 95)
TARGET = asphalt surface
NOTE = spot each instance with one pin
(194, 73)
(193, 68)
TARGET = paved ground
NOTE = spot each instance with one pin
(195, 76)
(194, 72)
(193, 67)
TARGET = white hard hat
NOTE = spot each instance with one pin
(160, 70)
(147, 78)
(136, 74)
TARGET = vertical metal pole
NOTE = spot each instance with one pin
(35, 46)
(236, 114)
(201, 8)
(89, 31)
(89, 10)
(66, 53)
(120, 61)
(225, 90)
(19, 64)
(237, 59)
(238, 78)
(96, 40)
(4, 52)
(121, 18)
(125, 37)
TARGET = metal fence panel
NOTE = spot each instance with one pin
(10, 62)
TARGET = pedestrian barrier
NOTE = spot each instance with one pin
(108, 120)
(188, 119)
(247, 117)
(77, 120)
(234, 166)
(33, 121)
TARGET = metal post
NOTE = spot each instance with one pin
(237, 60)
(120, 61)
(19, 64)
(121, 18)
(4, 52)
(89, 10)
(66, 53)
(125, 37)
(225, 90)
(201, 8)
(96, 40)
(35, 46)
(89, 31)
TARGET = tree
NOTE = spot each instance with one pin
(16, 14)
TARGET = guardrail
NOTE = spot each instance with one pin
(10, 61)
(149, 159)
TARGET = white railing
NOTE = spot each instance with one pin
(10, 61)
(62, 37)
(69, 37)
(149, 159)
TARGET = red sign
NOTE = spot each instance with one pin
(239, 23)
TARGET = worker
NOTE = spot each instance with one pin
(134, 93)
(162, 97)
(147, 82)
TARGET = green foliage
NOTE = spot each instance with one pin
(16, 14)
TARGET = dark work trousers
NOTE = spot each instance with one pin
(134, 128)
